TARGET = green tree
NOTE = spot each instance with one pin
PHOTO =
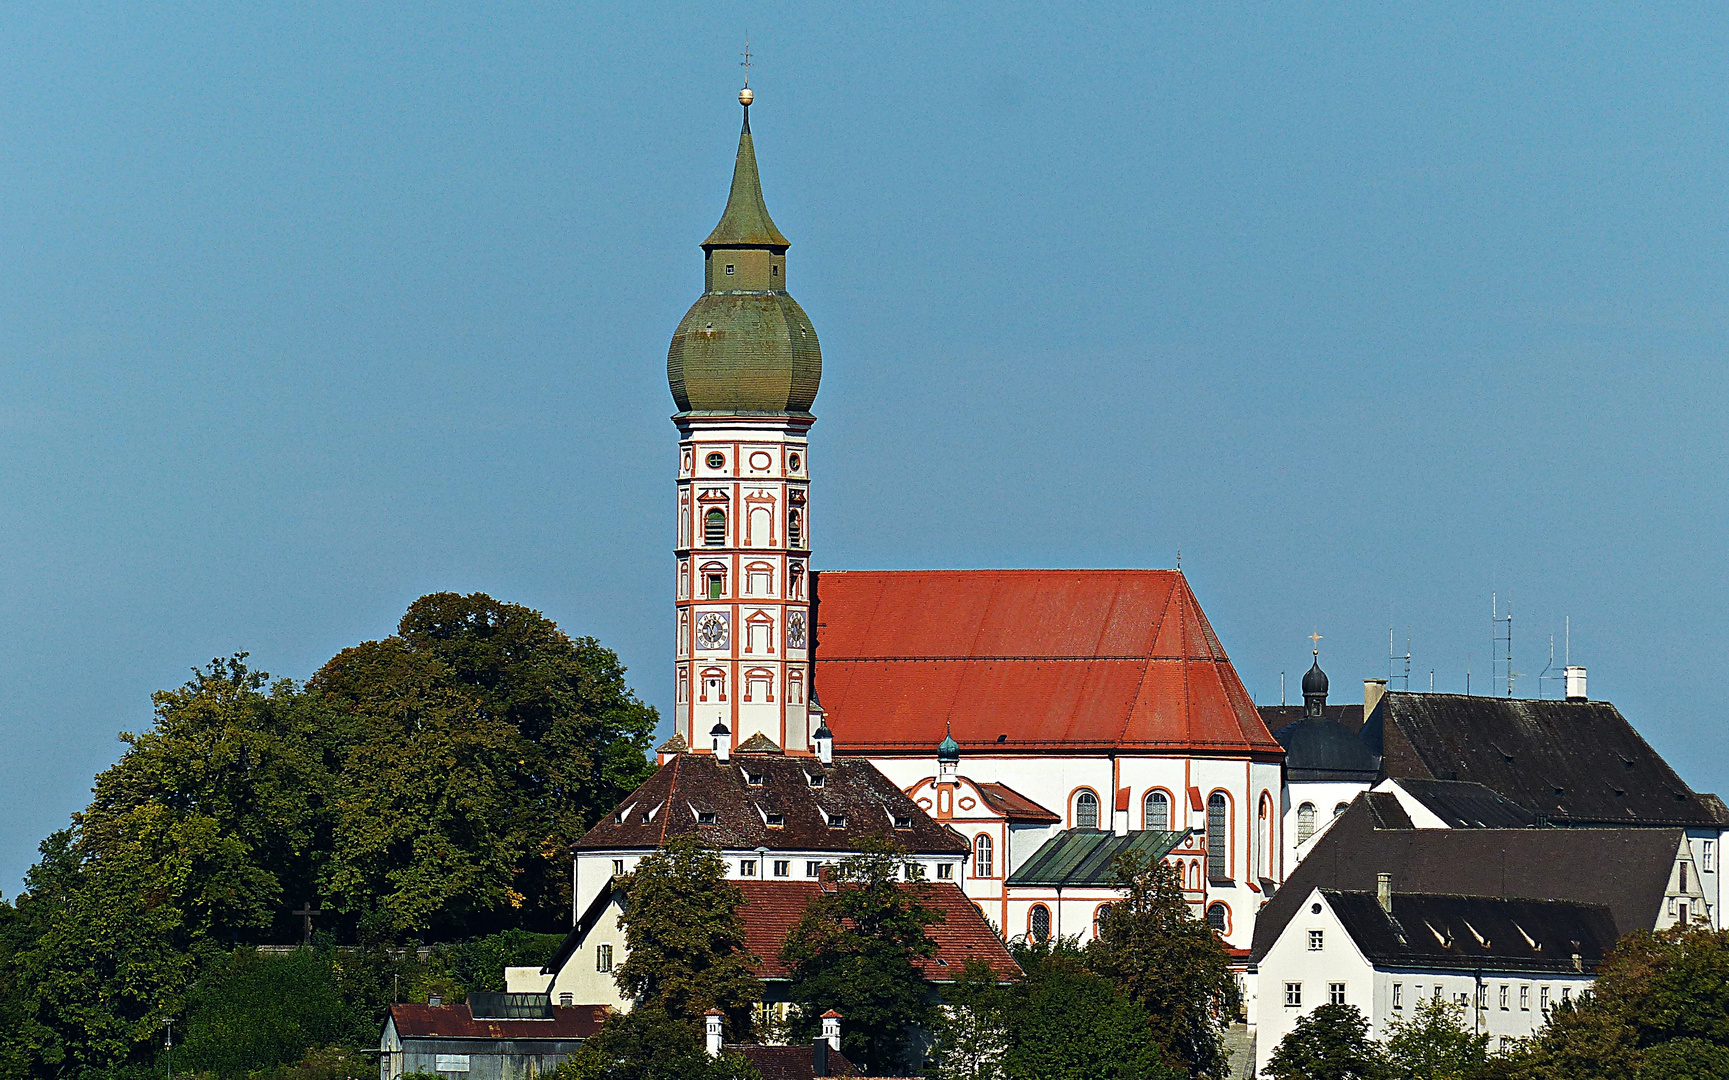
(479, 964)
(647, 1044)
(1331, 1043)
(685, 938)
(1067, 1023)
(1433, 1044)
(856, 950)
(488, 742)
(1172, 964)
(971, 1028)
(1685, 1059)
(250, 1012)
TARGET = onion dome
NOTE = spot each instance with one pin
(948, 749)
(1315, 680)
(745, 347)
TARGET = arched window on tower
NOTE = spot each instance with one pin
(795, 528)
(1158, 811)
(795, 686)
(759, 685)
(1218, 837)
(1305, 822)
(713, 580)
(984, 861)
(795, 581)
(759, 579)
(1086, 810)
(1263, 836)
(714, 527)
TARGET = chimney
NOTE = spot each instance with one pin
(1578, 963)
(435, 1001)
(1373, 691)
(831, 1029)
(1576, 683)
(819, 1058)
(721, 739)
(711, 1031)
(1384, 892)
(824, 739)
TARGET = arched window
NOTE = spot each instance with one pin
(1158, 811)
(759, 685)
(713, 684)
(1340, 808)
(1218, 837)
(759, 633)
(794, 527)
(759, 579)
(1100, 915)
(1219, 917)
(759, 525)
(1263, 834)
(1039, 923)
(1086, 810)
(1305, 822)
(714, 527)
(983, 857)
(795, 581)
(713, 580)
(795, 686)
(683, 685)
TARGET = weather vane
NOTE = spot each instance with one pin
(745, 63)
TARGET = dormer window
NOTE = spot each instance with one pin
(707, 817)
(816, 779)
(754, 779)
(903, 821)
(776, 821)
(837, 821)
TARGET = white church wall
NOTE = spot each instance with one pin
(1327, 797)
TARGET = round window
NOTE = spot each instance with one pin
(760, 461)
(717, 461)
(792, 462)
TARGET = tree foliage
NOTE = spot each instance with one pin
(856, 950)
(1170, 963)
(686, 938)
(1434, 1044)
(1331, 1043)
(647, 1044)
(424, 786)
(1067, 1023)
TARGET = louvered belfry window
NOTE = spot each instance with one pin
(714, 528)
(1216, 838)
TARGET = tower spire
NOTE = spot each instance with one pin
(745, 222)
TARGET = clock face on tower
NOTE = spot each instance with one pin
(795, 630)
(711, 630)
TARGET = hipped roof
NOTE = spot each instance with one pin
(1428, 930)
(457, 1022)
(1027, 660)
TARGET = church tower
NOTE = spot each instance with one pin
(743, 366)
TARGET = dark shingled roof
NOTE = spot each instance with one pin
(667, 804)
(1469, 932)
(457, 1022)
(1325, 749)
(1083, 857)
(790, 1062)
(1574, 762)
(1277, 716)
(1625, 870)
(1468, 806)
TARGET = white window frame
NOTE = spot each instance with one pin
(1317, 940)
(1293, 995)
(1336, 993)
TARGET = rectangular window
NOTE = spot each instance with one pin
(567, 1000)
(1398, 996)
(1316, 939)
(1566, 993)
(1681, 914)
(837, 821)
(1683, 877)
(1437, 991)
(707, 817)
(747, 868)
(450, 1063)
(813, 869)
(945, 871)
(783, 868)
(1525, 998)
(729, 269)
(603, 958)
(776, 821)
(1505, 991)
(1543, 998)
(1293, 995)
(1706, 857)
(1482, 996)
(618, 868)
(1335, 993)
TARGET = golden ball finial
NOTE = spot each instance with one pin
(745, 97)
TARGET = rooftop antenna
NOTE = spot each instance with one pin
(1567, 653)
(1179, 560)
(1501, 644)
(1431, 680)
(1393, 658)
(1281, 688)
(1467, 674)
(1544, 676)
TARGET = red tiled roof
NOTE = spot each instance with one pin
(1026, 660)
(457, 1022)
(773, 907)
(1013, 805)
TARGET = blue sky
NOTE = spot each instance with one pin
(1370, 311)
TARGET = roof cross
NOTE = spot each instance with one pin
(1315, 638)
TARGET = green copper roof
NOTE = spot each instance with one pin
(1084, 857)
(745, 222)
(745, 347)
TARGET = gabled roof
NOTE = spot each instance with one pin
(1026, 660)
(1084, 857)
(1625, 870)
(1470, 932)
(669, 805)
(789, 1062)
(1467, 806)
(1324, 749)
(772, 908)
(1014, 806)
(1277, 716)
(1574, 762)
(457, 1022)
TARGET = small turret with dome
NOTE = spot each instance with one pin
(1315, 690)
(745, 347)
